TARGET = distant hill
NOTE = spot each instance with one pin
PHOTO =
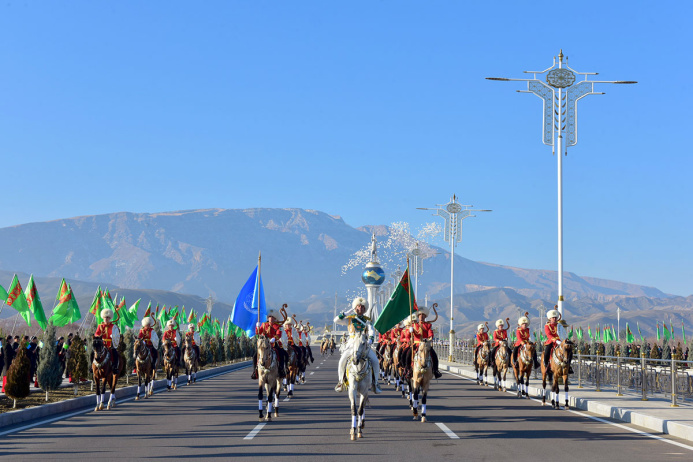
(212, 252)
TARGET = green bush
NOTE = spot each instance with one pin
(49, 373)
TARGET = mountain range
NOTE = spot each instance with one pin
(305, 256)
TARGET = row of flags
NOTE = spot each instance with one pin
(66, 310)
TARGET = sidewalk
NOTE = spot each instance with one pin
(655, 414)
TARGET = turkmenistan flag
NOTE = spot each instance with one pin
(630, 338)
(589, 332)
(62, 290)
(658, 335)
(571, 333)
(17, 300)
(66, 311)
(148, 313)
(3, 294)
(132, 312)
(96, 306)
(35, 305)
(640, 333)
(673, 337)
(192, 317)
(579, 333)
(667, 335)
(401, 303)
(683, 332)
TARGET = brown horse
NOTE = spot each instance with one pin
(421, 378)
(102, 369)
(481, 365)
(171, 365)
(293, 367)
(559, 367)
(268, 376)
(191, 359)
(501, 364)
(145, 367)
(523, 367)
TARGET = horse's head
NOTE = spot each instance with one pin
(360, 348)
(97, 344)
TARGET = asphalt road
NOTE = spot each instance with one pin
(213, 419)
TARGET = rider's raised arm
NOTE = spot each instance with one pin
(341, 318)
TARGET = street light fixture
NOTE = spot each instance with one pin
(560, 94)
(453, 213)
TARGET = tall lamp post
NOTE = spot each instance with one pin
(560, 94)
(453, 213)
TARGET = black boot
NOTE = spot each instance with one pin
(434, 363)
(254, 374)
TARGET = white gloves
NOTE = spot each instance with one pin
(411, 329)
(558, 342)
(271, 340)
(258, 325)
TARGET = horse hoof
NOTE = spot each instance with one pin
(353, 437)
(100, 407)
(360, 435)
(276, 413)
(137, 398)
(96, 409)
(423, 418)
(268, 418)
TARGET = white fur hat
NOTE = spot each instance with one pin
(423, 310)
(289, 321)
(147, 321)
(107, 313)
(552, 314)
(170, 323)
(191, 326)
(272, 312)
(480, 327)
(359, 301)
(407, 321)
(499, 323)
(523, 320)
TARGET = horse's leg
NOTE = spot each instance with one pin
(354, 415)
(277, 390)
(362, 414)
(423, 405)
(98, 394)
(415, 402)
(555, 389)
(565, 379)
(543, 385)
(139, 384)
(270, 399)
(259, 403)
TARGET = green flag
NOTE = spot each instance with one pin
(132, 312)
(35, 305)
(64, 311)
(642, 339)
(672, 330)
(570, 334)
(96, 306)
(658, 336)
(17, 300)
(683, 332)
(579, 333)
(589, 332)
(398, 307)
(76, 315)
(62, 290)
(630, 338)
(3, 294)
(667, 335)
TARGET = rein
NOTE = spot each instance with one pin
(101, 357)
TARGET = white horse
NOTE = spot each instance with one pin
(359, 376)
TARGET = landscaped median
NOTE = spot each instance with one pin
(82, 402)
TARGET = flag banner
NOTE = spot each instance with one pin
(398, 306)
(589, 332)
(132, 311)
(34, 302)
(683, 332)
(630, 338)
(667, 334)
(17, 300)
(3, 294)
(658, 335)
(148, 313)
(62, 290)
(672, 330)
(64, 312)
(579, 333)
(250, 302)
(95, 307)
(642, 339)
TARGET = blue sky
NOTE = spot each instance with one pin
(365, 110)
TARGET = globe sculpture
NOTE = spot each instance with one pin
(373, 274)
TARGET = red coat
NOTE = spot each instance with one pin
(405, 337)
(395, 335)
(422, 331)
(551, 331)
(384, 339)
(289, 335)
(271, 331)
(105, 331)
(498, 335)
(172, 335)
(146, 335)
(522, 336)
(192, 337)
(481, 338)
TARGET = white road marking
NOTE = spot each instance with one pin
(255, 431)
(447, 431)
(318, 367)
(311, 373)
(288, 398)
(84, 411)
(598, 419)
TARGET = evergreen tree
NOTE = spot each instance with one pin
(77, 362)
(17, 386)
(218, 348)
(49, 371)
(204, 350)
(230, 347)
(129, 353)
(88, 336)
(666, 353)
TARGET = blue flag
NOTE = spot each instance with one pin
(249, 300)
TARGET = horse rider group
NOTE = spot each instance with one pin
(295, 335)
(107, 329)
(523, 336)
(409, 333)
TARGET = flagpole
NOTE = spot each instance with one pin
(259, 265)
(409, 288)
(2, 306)
(15, 323)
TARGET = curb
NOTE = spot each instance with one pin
(656, 424)
(74, 404)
